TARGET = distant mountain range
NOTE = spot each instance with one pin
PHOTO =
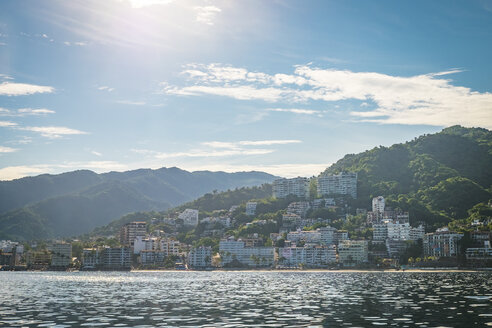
(73, 203)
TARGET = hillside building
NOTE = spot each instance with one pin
(442, 243)
(344, 183)
(189, 217)
(251, 208)
(296, 186)
(132, 230)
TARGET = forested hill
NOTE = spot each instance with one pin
(437, 177)
(74, 203)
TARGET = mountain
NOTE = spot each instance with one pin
(74, 203)
(438, 177)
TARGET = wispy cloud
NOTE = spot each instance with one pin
(131, 102)
(25, 112)
(7, 124)
(7, 149)
(428, 99)
(21, 89)
(96, 153)
(221, 149)
(105, 88)
(295, 110)
(146, 3)
(207, 14)
(75, 43)
(52, 132)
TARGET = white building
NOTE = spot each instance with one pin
(378, 204)
(309, 256)
(189, 217)
(299, 208)
(140, 244)
(200, 257)
(442, 243)
(352, 252)
(339, 236)
(90, 258)
(251, 208)
(117, 258)
(225, 221)
(296, 186)
(344, 183)
(396, 230)
(231, 250)
(61, 255)
(313, 236)
(380, 231)
(327, 235)
(417, 233)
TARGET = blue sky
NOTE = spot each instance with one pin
(286, 87)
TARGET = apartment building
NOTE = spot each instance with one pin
(344, 183)
(311, 256)
(296, 186)
(200, 257)
(234, 252)
(132, 230)
(442, 243)
(189, 217)
(352, 252)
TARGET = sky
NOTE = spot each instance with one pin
(285, 87)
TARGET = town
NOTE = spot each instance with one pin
(306, 234)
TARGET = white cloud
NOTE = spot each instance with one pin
(96, 153)
(20, 89)
(16, 172)
(238, 144)
(295, 110)
(7, 149)
(105, 88)
(3, 44)
(5, 77)
(283, 170)
(221, 149)
(53, 132)
(130, 102)
(146, 3)
(428, 99)
(207, 14)
(25, 112)
(7, 124)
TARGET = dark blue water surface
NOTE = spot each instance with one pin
(245, 299)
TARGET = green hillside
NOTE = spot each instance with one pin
(436, 177)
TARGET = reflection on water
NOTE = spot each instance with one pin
(245, 299)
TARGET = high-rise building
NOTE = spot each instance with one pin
(378, 204)
(311, 256)
(61, 255)
(344, 183)
(115, 258)
(297, 186)
(442, 243)
(235, 252)
(352, 252)
(200, 257)
(251, 208)
(132, 230)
